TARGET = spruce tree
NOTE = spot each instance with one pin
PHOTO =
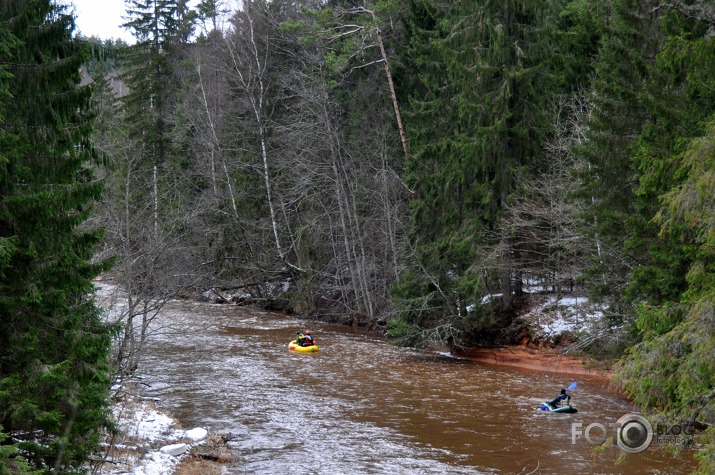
(478, 116)
(679, 99)
(670, 371)
(621, 110)
(54, 345)
(149, 74)
(649, 98)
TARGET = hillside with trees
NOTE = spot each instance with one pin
(416, 167)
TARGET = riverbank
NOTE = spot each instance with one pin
(151, 441)
(536, 359)
(553, 321)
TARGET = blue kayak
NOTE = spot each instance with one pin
(568, 409)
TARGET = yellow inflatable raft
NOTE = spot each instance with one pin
(293, 346)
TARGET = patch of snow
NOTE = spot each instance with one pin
(554, 315)
(196, 435)
(488, 298)
(484, 301)
(148, 424)
(151, 441)
(155, 463)
(572, 301)
(174, 449)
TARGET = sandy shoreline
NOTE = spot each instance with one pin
(532, 359)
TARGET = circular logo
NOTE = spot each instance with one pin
(634, 433)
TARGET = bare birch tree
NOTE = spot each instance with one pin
(249, 69)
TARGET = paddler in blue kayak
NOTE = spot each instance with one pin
(557, 400)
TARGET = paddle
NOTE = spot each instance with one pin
(571, 387)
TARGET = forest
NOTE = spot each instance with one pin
(415, 167)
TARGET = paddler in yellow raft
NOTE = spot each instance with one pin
(303, 342)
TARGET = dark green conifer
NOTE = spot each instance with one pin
(670, 371)
(54, 346)
(478, 116)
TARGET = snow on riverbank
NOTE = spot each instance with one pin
(553, 315)
(150, 442)
(558, 324)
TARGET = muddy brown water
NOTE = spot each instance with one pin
(362, 406)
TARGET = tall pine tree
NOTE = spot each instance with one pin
(54, 346)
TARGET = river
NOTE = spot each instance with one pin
(362, 406)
